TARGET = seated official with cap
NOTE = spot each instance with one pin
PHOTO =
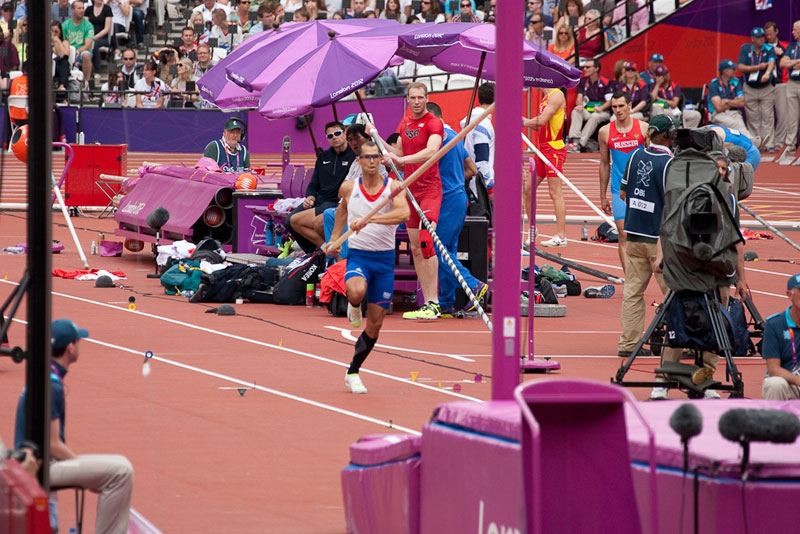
(229, 152)
(780, 349)
(108, 475)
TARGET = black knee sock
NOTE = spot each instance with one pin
(364, 346)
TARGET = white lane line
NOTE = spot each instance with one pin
(770, 294)
(766, 272)
(350, 337)
(251, 385)
(775, 190)
(486, 332)
(254, 342)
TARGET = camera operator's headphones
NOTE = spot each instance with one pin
(236, 122)
(722, 155)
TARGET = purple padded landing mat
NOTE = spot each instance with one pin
(496, 418)
(777, 461)
(380, 487)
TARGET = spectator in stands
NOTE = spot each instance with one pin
(666, 96)
(632, 15)
(167, 57)
(61, 11)
(150, 91)
(160, 8)
(130, 72)
(122, 14)
(227, 38)
(591, 106)
(393, 11)
(6, 16)
(619, 72)
(208, 7)
(21, 11)
(591, 37)
(491, 12)
(111, 93)
(564, 45)
(9, 60)
(301, 15)
(109, 476)
(189, 39)
(636, 89)
(80, 34)
(359, 9)
(780, 79)
(757, 65)
(242, 16)
(572, 16)
(429, 12)
(648, 75)
(139, 12)
(20, 39)
(101, 17)
(196, 21)
(203, 63)
(538, 33)
(338, 15)
(316, 9)
(790, 62)
(266, 16)
(725, 99)
(290, 6)
(280, 12)
(535, 7)
(179, 85)
(466, 13)
(60, 47)
(306, 223)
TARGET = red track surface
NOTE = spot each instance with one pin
(208, 460)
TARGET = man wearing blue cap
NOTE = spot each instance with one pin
(726, 99)
(781, 346)
(648, 76)
(791, 63)
(757, 65)
(108, 475)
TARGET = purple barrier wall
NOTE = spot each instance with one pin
(179, 130)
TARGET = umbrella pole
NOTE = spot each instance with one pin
(475, 89)
(311, 133)
(360, 102)
(335, 115)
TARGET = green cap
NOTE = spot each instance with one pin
(234, 123)
(661, 124)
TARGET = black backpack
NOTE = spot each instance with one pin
(226, 285)
(606, 233)
(478, 195)
(291, 289)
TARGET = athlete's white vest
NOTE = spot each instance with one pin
(372, 236)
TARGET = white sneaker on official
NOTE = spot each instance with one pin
(658, 393)
(556, 241)
(354, 315)
(353, 381)
(711, 394)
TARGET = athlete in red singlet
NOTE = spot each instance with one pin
(421, 137)
(617, 141)
(550, 123)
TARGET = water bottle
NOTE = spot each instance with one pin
(317, 292)
(269, 237)
(14, 250)
(585, 232)
(309, 295)
(93, 249)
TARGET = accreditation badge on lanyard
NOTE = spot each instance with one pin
(796, 52)
(753, 77)
(795, 368)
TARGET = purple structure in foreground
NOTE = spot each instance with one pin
(508, 164)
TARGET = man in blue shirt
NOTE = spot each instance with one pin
(455, 168)
(781, 346)
(648, 76)
(791, 62)
(108, 475)
(757, 65)
(725, 99)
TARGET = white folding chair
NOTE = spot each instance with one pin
(16, 102)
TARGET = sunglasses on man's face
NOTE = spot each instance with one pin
(630, 69)
(337, 133)
(371, 157)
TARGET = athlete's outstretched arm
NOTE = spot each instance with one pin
(605, 169)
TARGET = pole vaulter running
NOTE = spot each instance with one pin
(404, 187)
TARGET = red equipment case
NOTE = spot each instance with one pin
(80, 187)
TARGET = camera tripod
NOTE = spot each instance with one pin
(724, 347)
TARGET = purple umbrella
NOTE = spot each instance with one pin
(464, 48)
(256, 69)
(330, 72)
